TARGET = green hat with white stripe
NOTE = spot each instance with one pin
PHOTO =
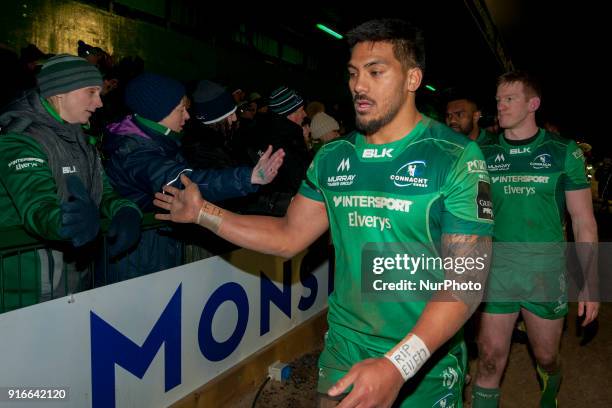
(64, 73)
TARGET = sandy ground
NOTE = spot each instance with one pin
(586, 368)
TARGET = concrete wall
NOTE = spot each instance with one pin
(56, 26)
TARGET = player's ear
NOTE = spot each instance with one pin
(533, 104)
(413, 79)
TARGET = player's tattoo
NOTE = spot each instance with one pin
(476, 253)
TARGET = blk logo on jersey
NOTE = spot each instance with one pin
(69, 170)
(543, 161)
(385, 152)
(520, 150)
(411, 174)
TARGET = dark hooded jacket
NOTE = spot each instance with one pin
(142, 156)
(38, 150)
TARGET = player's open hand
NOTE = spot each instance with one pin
(376, 383)
(184, 205)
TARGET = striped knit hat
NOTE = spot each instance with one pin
(285, 101)
(65, 73)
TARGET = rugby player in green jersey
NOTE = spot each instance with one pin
(403, 178)
(535, 174)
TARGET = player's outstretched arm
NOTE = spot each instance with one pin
(304, 222)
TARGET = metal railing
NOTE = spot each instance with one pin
(33, 270)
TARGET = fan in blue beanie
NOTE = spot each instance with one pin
(153, 96)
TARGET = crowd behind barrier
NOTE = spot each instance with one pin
(91, 268)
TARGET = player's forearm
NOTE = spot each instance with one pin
(585, 236)
(474, 252)
(441, 319)
(585, 229)
(448, 310)
(580, 208)
(438, 323)
(259, 233)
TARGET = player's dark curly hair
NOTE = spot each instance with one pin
(407, 40)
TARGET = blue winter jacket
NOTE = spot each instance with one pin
(140, 160)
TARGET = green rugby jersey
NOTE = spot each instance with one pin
(528, 185)
(485, 137)
(430, 182)
(529, 182)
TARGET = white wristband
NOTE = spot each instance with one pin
(408, 357)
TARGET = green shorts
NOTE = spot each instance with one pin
(439, 383)
(515, 286)
(545, 310)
